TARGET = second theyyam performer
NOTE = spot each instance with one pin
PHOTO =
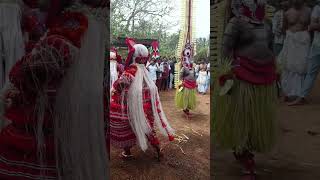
(245, 91)
(186, 93)
(135, 108)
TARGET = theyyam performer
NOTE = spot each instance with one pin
(54, 100)
(186, 93)
(245, 90)
(135, 109)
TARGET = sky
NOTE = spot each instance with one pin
(202, 17)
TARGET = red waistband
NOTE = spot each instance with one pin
(189, 84)
(255, 73)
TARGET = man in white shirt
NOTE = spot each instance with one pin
(277, 27)
(11, 38)
(314, 56)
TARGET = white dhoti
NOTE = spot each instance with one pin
(113, 73)
(293, 60)
(11, 38)
(202, 82)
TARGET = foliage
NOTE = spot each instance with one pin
(202, 50)
(145, 19)
(151, 19)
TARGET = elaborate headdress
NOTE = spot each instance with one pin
(187, 55)
(154, 50)
(138, 53)
(251, 10)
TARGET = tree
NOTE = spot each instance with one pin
(128, 15)
(142, 19)
(202, 50)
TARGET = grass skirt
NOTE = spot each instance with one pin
(186, 99)
(245, 118)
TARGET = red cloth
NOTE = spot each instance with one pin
(250, 71)
(121, 134)
(189, 84)
(19, 158)
(130, 43)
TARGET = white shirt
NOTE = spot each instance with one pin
(113, 72)
(153, 71)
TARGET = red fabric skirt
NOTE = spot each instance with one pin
(250, 71)
(19, 157)
(121, 133)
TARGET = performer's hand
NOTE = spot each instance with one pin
(113, 91)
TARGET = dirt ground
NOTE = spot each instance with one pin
(175, 165)
(297, 153)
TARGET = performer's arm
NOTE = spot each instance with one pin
(315, 24)
(182, 74)
(270, 36)
(164, 125)
(47, 62)
(229, 38)
(125, 79)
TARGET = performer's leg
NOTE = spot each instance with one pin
(171, 81)
(126, 152)
(152, 138)
(154, 141)
(186, 111)
(246, 158)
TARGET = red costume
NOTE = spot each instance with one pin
(27, 144)
(123, 125)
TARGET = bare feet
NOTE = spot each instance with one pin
(187, 112)
(299, 101)
(126, 156)
(159, 153)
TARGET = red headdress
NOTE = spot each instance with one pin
(155, 50)
(130, 43)
(55, 8)
(251, 10)
(137, 52)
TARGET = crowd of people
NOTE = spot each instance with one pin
(162, 72)
(296, 44)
